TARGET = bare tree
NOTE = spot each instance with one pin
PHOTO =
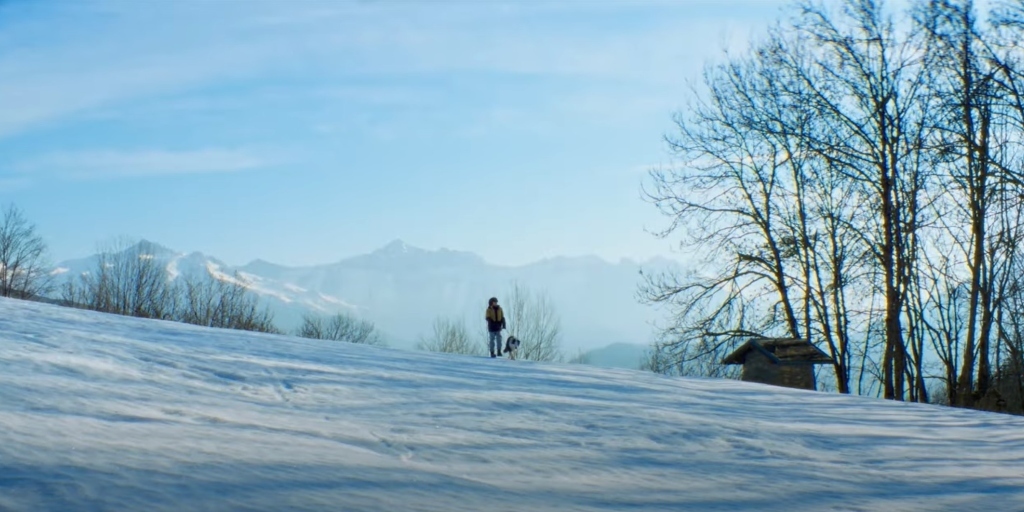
(685, 360)
(221, 303)
(856, 179)
(972, 152)
(803, 183)
(781, 250)
(1009, 375)
(451, 337)
(23, 266)
(658, 359)
(581, 357)
(868, 83)
(127, 280)
(340, 327)
(532, 318)
(725, 202)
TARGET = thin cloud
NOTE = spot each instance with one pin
(141, 54)
(8, 185)
(90, 165)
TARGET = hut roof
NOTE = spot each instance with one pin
(780, 351)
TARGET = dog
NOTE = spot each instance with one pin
(511, 346)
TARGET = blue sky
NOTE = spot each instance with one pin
(306, 131)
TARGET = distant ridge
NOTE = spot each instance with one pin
(403, 289)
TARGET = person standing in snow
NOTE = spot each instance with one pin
(495, 324)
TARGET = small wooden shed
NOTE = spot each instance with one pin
(787, 362)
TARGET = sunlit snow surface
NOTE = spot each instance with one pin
(101, 412)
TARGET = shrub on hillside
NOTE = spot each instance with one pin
(129, 280)
(224, 304)
(340, 327)
(450, 337)
(126, 280)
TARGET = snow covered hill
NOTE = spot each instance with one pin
(100, 412)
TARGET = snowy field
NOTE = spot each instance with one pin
(101, 412)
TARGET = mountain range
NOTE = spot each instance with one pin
(403, 289)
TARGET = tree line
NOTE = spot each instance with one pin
(128, 279)
(856, 178)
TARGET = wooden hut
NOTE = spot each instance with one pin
(787, 362)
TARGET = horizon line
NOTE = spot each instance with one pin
(393, 242)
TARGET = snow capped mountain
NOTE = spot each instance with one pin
(288, 301)
(398, 254)
(103, 412)
(403, 289)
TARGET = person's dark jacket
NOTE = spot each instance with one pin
(495, 319)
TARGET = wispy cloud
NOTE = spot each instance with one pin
(102, 60)
(90, 165)
(140, 53)
(8, 185)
